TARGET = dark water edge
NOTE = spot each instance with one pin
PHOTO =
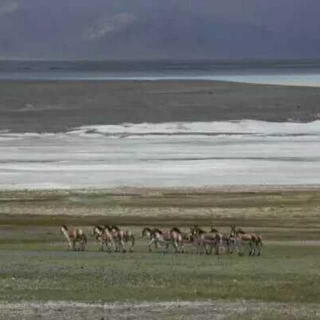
(54, 70)
(58, 106)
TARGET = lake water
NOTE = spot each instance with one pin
(297, 72)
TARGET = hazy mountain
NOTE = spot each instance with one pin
(131, 29)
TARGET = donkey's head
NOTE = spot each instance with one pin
(175, 229)
(96, 230)
(193, 230)
(156, 231)
(63, 228)
(146, 232)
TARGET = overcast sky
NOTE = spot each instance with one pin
(132, 29)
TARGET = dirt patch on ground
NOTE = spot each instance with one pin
(308, 243)
(165, 310)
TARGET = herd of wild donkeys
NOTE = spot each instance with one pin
(116, 240)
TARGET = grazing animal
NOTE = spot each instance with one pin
(254, 240)
(159, 238)
(177, 239)
(223, 239)
(235, 242)
(121, 238)
(197, 239)
(205, 241)
(147, 232)
(165, 238)
(201, 244)
(129, 238)
(74, 236)
(185, 235)
(117, 236)
(104, 237)
(155, 237)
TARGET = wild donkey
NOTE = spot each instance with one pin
(104, 237)
(164, 238)
(121, 237)
(254, 240)
(206, 241)
(74, 236)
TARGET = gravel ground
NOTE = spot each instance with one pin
(166, 310)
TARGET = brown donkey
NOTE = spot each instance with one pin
(165, 238)
(74, 236)
(105, 238)
(121, 237)
(206, 241)
(254, 240)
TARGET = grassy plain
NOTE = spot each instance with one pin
(35, 266)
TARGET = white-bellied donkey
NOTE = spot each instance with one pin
(104, 236)
(121, 238)
(73, 237)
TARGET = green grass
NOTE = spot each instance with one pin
(35, 265)
(130, 205)
(43, 270)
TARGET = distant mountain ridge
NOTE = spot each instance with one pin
(65, 29)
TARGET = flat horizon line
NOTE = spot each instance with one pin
(221, 60)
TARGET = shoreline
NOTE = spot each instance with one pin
(63, 105)
(173, 79)
(272, 155)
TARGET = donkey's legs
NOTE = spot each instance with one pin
(118, 244)
(195, 247)
(83, 245)
(200, 247)
(238, 246)
(166, 245)
(176, 246)
(219, 245)
(153, 240)
(258, 248)
(181, 247)
(70, 245)
(208, 248)
(252, 251)
(110, 246)
(122, 246)
(132, 241)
